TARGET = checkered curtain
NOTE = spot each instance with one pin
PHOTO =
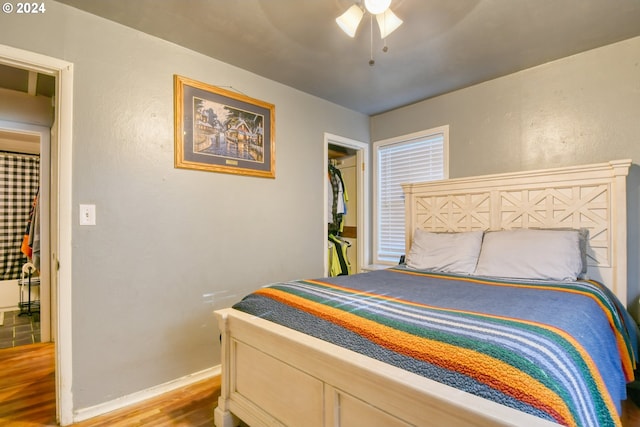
(19, 181)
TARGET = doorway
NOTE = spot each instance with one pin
(26, 300)
(357, 167)
(60, 214)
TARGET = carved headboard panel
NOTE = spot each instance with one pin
(592, 197)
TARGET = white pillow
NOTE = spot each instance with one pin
(531, 254)
(445, 252)
(583, 239)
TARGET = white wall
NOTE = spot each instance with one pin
(19, 107)
(9, 295)
(577, 110)
(171, 245)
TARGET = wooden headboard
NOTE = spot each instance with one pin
(591, 196)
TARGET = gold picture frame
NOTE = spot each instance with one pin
(218, 130)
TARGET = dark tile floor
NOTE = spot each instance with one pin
(19, 329)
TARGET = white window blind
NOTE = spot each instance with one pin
(399, 162)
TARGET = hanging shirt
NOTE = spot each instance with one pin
(329, 199)
(340, 191)
(340, 253)
(339, 199)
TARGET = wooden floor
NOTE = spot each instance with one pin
(27, 397)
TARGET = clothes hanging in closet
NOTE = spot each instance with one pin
(339, 264)
(337, 200)
(334, 268)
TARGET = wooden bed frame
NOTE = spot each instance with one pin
(275, 376)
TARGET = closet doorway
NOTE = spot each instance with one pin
(351, 158)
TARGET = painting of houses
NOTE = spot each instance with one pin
(224, 131)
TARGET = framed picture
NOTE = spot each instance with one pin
(219, 130)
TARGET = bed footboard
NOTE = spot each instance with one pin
(274, 376)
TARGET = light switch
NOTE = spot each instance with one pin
(87, 214)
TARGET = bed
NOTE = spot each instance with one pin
(429, 347)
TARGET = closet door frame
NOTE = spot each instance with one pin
(363, 208)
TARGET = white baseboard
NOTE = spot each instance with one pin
(140, 396)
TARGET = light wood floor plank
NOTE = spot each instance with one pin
(27, 396)
(26, 385)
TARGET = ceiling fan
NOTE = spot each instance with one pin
(388, 22)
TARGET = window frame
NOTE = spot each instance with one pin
(408, 138)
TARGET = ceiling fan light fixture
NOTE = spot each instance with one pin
(350, 20)
(388, 22)
(376, 7)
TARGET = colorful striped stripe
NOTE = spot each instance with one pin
(596, 291)
(529, 361)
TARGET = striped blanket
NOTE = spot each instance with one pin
(560, 351)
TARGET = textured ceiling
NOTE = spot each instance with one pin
(443, 45)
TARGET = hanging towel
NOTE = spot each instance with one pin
(26, 247)
(34, 235)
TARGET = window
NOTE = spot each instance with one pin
(422, 156)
